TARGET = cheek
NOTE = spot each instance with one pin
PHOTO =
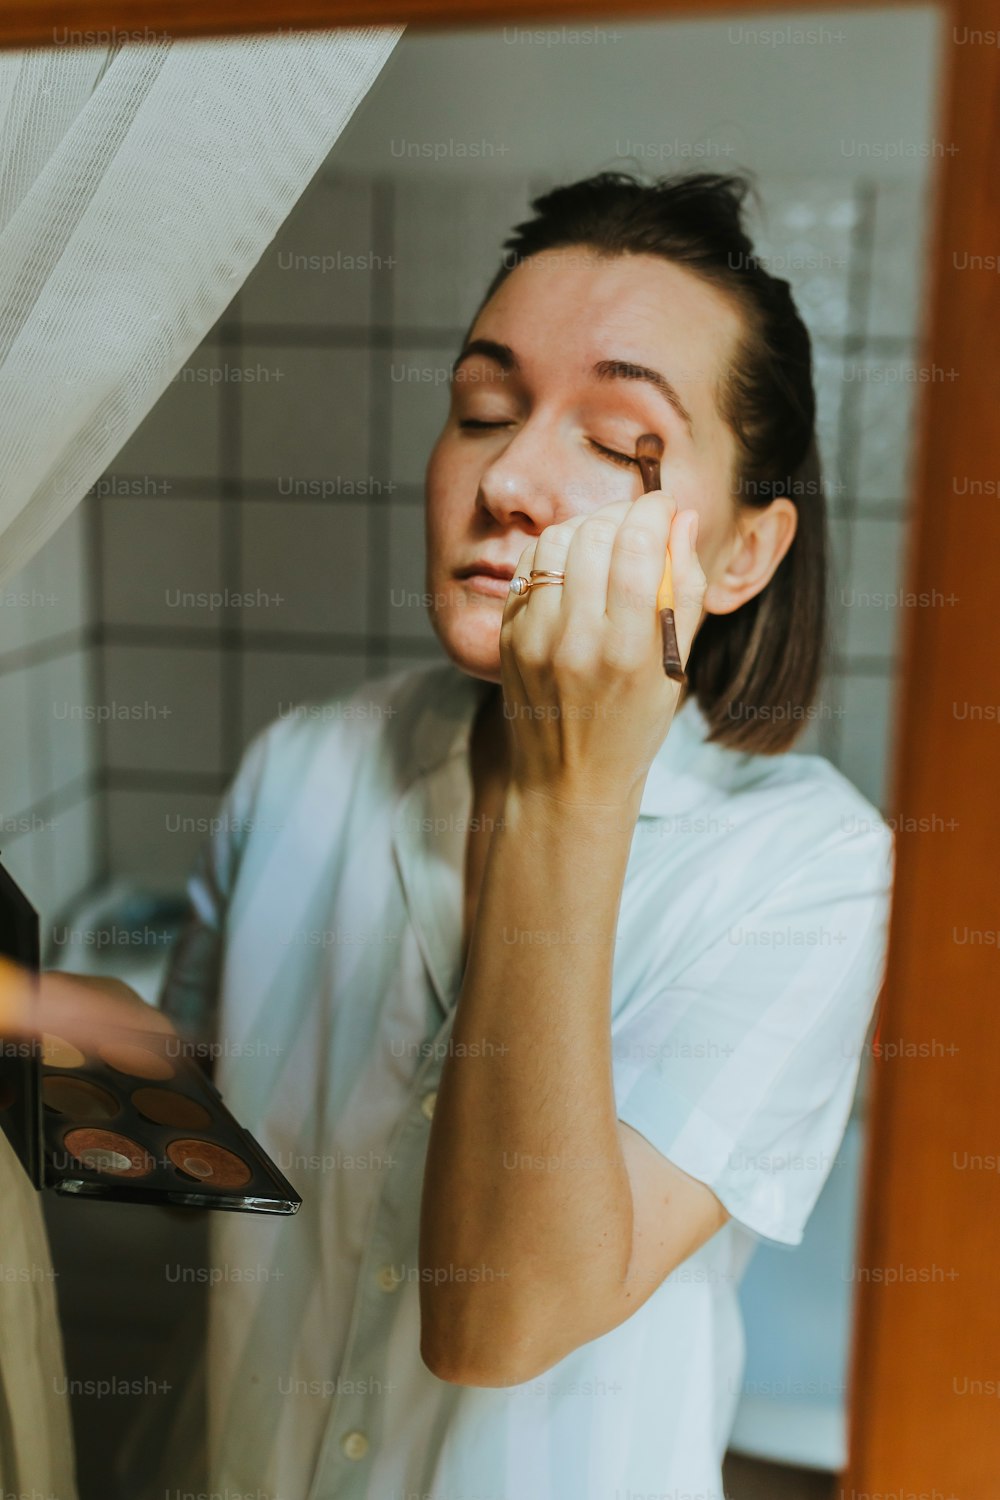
(705, 491)
(445, 490)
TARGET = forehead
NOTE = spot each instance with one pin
(564, 309)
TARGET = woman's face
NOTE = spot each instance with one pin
(568, 363)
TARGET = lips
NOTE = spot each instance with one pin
(488, 570)
(492, 579)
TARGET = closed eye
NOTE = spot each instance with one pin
(619, 458)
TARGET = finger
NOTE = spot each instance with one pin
(637, 566)
(587, 565)
(87, 1008)
(689, 579)
(126, 1004)
(525, 563)
(510, 677)
(535, 626)
(16, 999)
(551, 552)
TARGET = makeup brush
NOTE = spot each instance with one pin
(648, 452)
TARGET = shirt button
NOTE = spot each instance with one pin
(427, 1104)
(387, 1278)
(354, 1444)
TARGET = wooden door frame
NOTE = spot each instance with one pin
(927, 1321)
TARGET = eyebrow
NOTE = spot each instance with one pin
(604, 369)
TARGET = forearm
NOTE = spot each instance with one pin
(525, 1177)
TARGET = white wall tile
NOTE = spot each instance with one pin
(50, 596)
(829, 388)
(448, 239)
(154, 552)
(41, 755)
(804, 238)
(74, 854)
(810, 740)
(66, 568)
(840, 535)
(18, 595)
(56, 858)
(66, 746)
(319, 269)
(308, 564)
(865, 735)
(406, 605)
(885, 406)
(309, 419)
(899, 258)
(868, 598)
(165, 707)
(828, 716)
(419, 404)
(16, 748)
(155, 836)
(180, 435)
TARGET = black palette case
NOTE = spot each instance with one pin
(134, 1120)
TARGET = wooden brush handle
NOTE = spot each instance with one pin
(648, 452)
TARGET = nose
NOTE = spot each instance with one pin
(528, 485)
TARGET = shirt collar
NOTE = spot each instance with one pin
(444, 728)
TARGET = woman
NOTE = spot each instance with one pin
(545, 985)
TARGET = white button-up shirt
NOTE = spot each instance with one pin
(327, 942)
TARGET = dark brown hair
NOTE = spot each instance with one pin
(754, 672)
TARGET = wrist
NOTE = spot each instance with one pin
(554, 809)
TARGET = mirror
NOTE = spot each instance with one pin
(258, 546)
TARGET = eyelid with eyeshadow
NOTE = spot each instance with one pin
(475, 425)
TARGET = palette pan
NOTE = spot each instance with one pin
(134, 1120)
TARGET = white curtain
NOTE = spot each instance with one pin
(139, 185)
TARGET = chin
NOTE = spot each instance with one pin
(473, 645)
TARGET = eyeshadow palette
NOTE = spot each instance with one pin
(136, 1120)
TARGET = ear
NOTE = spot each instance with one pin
(748, 562)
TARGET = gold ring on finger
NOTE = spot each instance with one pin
(537, 576)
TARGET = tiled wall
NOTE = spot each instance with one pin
(860, 296)
(49, 733)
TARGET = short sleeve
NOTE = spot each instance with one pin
(743, 1070)
(189, 994)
